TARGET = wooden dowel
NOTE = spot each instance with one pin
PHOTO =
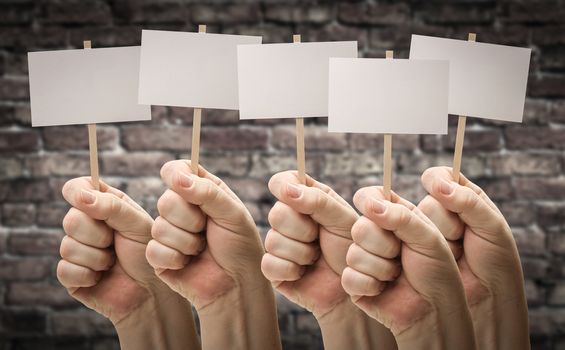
(387, 168)
(460, 136)
(93, 143)
(300, 153)
(196, 122)
(387, 153)
(195, 151)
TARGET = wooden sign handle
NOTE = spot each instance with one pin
(93, 143)
(196, 122)
(460, 137)
(387, 153)
(300, 153)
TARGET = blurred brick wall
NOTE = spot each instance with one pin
(519, 166)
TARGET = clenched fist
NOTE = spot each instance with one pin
(306, 250)
(486, 254)
(402, 273)
(207, 248)
(104, 267)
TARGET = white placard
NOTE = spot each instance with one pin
(190, 69)
(85, 86)
(486, 80)
(388, 96)
(287, 80)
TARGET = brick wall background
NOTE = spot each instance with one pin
(519, 166)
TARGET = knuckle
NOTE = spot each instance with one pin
(65, 249)
(270, 241)
(70, 222)
(275, 214)
(360, 229)
(165, 203)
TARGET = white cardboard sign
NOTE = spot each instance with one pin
(190, 69)
(85, 86)
(287, 80)
(486, 80)
(388, 96)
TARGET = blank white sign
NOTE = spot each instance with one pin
(388, 96)
(287, 80)
(85, 86)
(486, 80)
(190, 69)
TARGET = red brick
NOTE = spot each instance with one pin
(38, 294)
(225, 13)
(524, 164)
(134, 164)
(80, 322)
(21, 269)
(299, 13)
(373, 13)
(141, 138)
(18, 214)
(530, 241)
(540, 188)
(77, 12)
(36, 243)
(525, 137)
(18, 141)
(233, 139)
(75, 137)
(58, 164)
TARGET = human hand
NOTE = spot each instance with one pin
(402, 273)
(486, 254)
(207, 248)
(104, 267)
(306, 249)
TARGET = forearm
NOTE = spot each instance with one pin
(347, 327)
(439, 331)
(241, 319)
(160, 323)
(499, 316)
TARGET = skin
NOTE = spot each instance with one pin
(104, 267)
(207, 248)
(306, 254)
(488, 258)
(402, 272)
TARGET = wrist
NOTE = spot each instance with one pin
(243, 318)
(439, 330)
(347, 326)
(161, 322)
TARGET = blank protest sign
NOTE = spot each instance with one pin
(287, 80)
(186, 69)
(85, 86)
(388, 96)
(486, 80)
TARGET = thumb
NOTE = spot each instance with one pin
(403, 219)
(318, 201)
(468, 201)
(213, 200)
(111, 206)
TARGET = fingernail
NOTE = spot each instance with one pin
(446, 187)
(294, 191)
(185, 180)
(378, 206)
(87, 197)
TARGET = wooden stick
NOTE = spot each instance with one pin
(460, 137)
(93, 143)
(196, 122)
(300, 153)
(387, 153)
